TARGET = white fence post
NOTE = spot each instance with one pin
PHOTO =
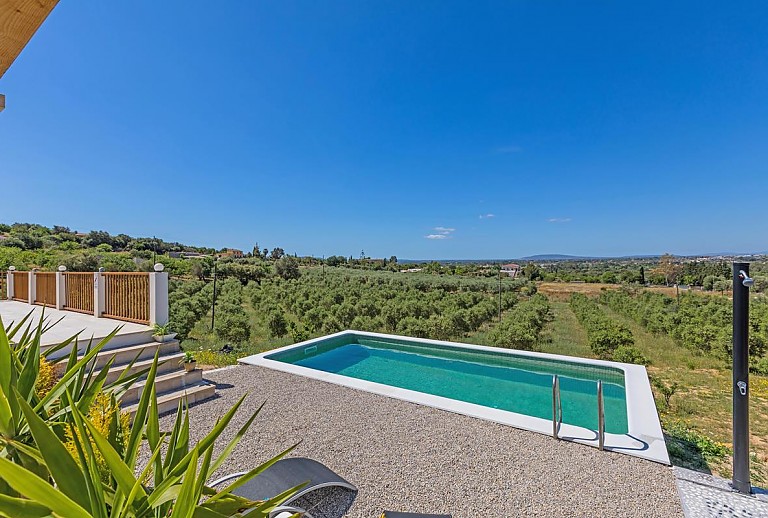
(9, 283)
(158, 296)
(61, 288)
(98, 293)
(32, 278)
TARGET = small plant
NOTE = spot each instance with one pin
(298, 333)
(106, 416)
(667, 390)
(162, 329)
(706, 446)
(189, 357)
(46, 377)
(163, 332)
(215, 358)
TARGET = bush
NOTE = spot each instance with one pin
(630, 354)
(46, 377)
(106, 417)
(667, 390)
(522, 325)
(232, 324)
(760, 366)
(604, 334)
(287, 267)
(278, 325)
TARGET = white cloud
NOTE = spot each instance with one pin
(558, 220)
(508, 149)
(487, 216)
(441, 233)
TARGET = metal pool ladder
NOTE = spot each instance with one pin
(557, 411)
(600, 416)
(557, 406)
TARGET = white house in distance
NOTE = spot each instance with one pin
(511, 269)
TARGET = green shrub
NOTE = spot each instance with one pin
(522, 325)
(604, 334)
(760, 366)
(278, 325)
(630, 354)
(680, 431)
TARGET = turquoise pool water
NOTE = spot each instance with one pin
(520, 384)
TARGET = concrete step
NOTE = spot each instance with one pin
(118, 341)
(125, 355)
(170, 382)
(146, 351)
(166, 364)
(169, 401)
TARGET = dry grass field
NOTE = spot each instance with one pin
(698, 420)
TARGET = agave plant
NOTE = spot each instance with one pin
(39, 475)
(20, 360)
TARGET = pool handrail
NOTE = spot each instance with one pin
(557, 406)
(600, 416)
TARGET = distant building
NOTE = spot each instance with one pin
(233, 253)
(186, 255)
(411, 270)
(511, 269)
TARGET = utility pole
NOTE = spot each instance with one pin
(499, 294)
(213, 305)
(741, 285)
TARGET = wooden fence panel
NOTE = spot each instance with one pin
(78, 287)
(126, 296)
(21, 286)
(45, 288)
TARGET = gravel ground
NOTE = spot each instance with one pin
(407, 457)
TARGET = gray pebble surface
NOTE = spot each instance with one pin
(408, 457)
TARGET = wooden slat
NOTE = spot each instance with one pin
(78, 287)
(45, 288)
(19, 20)
(126, 296)
(21, 286)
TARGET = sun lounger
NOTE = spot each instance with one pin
(393, 514)
(285, 474)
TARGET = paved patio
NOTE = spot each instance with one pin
(70, 324)
(409, 457)
(708, 496)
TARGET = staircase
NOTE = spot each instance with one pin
(172, 383)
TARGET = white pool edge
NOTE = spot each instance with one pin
(644, 439)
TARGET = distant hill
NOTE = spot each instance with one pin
(555, 257)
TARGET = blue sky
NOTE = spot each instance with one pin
(419, 129)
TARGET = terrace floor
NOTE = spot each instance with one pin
(408, 457)
(71, 323)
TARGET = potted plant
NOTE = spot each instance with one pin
(189, 361)
(163, 333)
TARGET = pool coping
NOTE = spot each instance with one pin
(644, 438)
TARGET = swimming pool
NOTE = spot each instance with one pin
(508, 386)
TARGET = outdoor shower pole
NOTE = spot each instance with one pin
(741, 283)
